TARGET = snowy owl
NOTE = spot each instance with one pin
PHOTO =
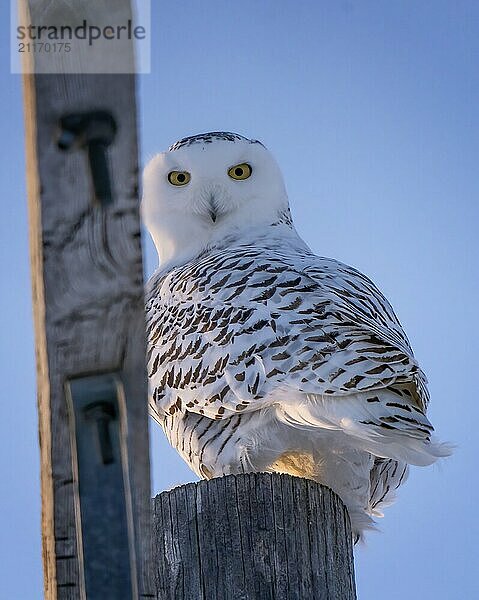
(263, 356)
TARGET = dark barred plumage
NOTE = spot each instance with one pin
(209, 138)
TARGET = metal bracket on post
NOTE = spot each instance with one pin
(94, 131)
(103, 497)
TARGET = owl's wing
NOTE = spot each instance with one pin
(241, 330)
(233, 332)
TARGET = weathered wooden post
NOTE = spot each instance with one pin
(87, 279)
(252, 537)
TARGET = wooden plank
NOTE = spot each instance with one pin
(87, 283)
(253, 536)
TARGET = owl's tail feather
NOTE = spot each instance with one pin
(386, 476)
(377, 422)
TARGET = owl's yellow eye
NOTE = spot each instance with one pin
(241, 171)
(179, 177)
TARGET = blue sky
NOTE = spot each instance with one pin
(372, 110)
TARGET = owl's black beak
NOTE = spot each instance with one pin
(213, 209)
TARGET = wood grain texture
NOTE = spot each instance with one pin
(255, 536)
(87, 282)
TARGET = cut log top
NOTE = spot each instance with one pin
(255, 536)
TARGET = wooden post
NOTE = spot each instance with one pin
(252, 537)
(87, 279)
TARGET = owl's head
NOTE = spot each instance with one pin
(207, 187)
